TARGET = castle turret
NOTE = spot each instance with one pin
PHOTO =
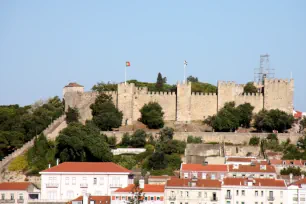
(125, 102)
(72, 94)
(183, 102)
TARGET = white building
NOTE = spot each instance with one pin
(244, 160)
(253, 191)
(149, 194)
(297, 192)
(72, 179)
(192, 191)
(204, 171)
(18, 192)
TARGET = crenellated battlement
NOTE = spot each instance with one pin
(276, 81)
(250, 94)
(203, 94)
(226, 83)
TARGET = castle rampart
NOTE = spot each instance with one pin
(184, 106)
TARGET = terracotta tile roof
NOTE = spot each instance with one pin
(287, 162)
(148, 188)
(74, 84)
(176, 182)
(251, 168)
(240, 159)
(298, 115)
(256, 182)
(87, 167)
(15, 186)
(98, 199)
(299, 182)
(207, 168)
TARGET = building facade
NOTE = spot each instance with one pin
(18, 192)
(184, 105)
(69, 180)
(253, 170)
(204, 171)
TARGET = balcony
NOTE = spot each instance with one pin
(172, 198)
(115, 185)
(83, 185)
(214, 199)
(270, 198)
(20, 201)
(295, 199)
(52, 185)
(228, 197)
(7, 201)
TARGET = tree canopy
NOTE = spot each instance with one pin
(192, 79)
(160, 82)
(101, 86)
(250, 88)
(80, 142)
(72, 115)
(105, 115)
(152, 115)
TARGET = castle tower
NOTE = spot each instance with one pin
(226, 93)
(278, 94)
(125, 102)
(183, 107)
(72, 94)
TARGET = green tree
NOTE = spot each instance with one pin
(112, 141)
(152, 115)
(82, 143)
(20, 163)
(158, 161)
(245, 114)
(194, 140)
(192, 79)
(166, 134)
(203, 87)
(126, 140)
(127, 161)
(296, 171)
(138, 139)
(105, 115)
(273, 120)
(72, 115)
(101, 86)
(254, 141)
(174, 161)
(250, 88)
(10, 141)
(173, 146)
(160, 82)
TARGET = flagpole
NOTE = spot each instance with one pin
(125, 75)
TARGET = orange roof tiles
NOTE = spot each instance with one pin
(240, 159)
(256, 182)
(176, 182)
(207, 168)
(148, 188)
(287, 162)
(251, 168)
(88, 167)
(299, 182)
(98, 199)
(73, 84)
(15, 186)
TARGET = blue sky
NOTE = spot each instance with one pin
(46, 44)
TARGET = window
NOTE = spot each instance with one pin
(172, 193)
(172, 203)
(146, 198)
(185, 175)
(181, 193)
(95, 181)
(20, 196)
(228, 194)
(281, 194)
(228, 202)
(213, 176)
(152, 198)
(214, 196)
(205, 195)
(234, 175)
(12, 196)
(101, 180)
(73, 180)
(84, 180)
(237, 193)
(199, 194)
(157, 198)
(243, 192)
(187, 194)
(67, 181)
(243, 175)
(270, 194)
(256, 202)
(256, 193)
(262, 193)
(2, 196)
(194, 175)
(242, 202)
(203, 175)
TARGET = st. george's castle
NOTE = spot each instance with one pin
(184, 105)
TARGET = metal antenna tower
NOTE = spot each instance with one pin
(264, 70)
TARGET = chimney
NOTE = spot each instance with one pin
(86, 198)
(290, 178)
(141, 183)
(57, 162)
(49, 166)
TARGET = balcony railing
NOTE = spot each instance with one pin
(52, 185)
(214, 199)
(83, 185)
(270, 198)
(7, 201)
(228, 197)
(172, 198)
(115, 185)
(20, 201)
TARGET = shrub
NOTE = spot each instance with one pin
(254, 141)
(20, 163)
(166, 134)
(138, 139)
(112, 141)
(250, 88)
(149, 148)
(194, 140)
(158, 161)
(152, 115)
(126, 139)
(173, 146)
(174, 161)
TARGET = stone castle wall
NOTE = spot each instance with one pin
(185, 106)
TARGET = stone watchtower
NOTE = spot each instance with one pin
(183, 108)
(72, 94)
(125, 102)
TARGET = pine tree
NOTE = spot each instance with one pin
(160, 82)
